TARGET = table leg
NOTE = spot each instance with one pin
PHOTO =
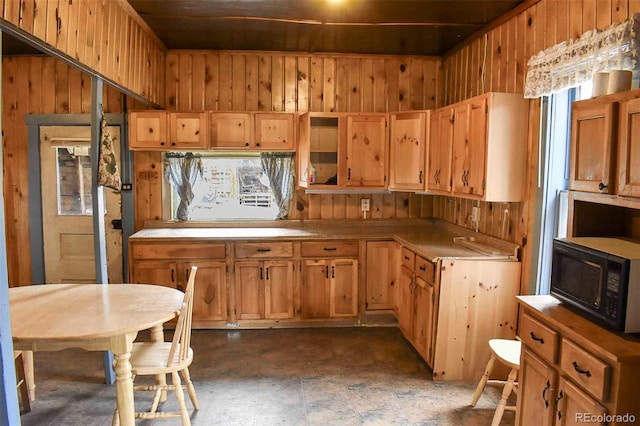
(121, 348)
(157, 335)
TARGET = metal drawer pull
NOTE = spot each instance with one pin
(423, 268)
(330, 249)
(536, 338)
(326, 272)
(406, 258)
(267, 273)
(261, 272)
(560, 396)
(544, 394)
(580, 370)
(333, 272)
(263, 250)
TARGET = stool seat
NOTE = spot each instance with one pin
(508, 353)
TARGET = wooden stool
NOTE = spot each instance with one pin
(22, 384)
(508, 353)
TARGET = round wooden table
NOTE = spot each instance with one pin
(94, 317)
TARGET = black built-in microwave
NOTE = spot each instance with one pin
(599, 278)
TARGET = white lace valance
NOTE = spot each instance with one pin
(573, 62)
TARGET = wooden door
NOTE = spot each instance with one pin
(158, 272)
(230, 130)
(148, 130)
(210, 290)
(629, 146)
(477, 147)
(423, 319)
(407, 151)
(537, 387)
(366, 145)
(440, 146)
(278, 289)
(303, 151)
(249, 290)
(592, 148)
(67, 207)
(573, 405)
(314, 289)
(344, 288)
(460, 147)
(405, 304)
(188, 130)
(381, 266)
(274, 131)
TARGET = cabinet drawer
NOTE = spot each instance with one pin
(408, 258)
(329, 248)
(264, 249)
(539, 338)
(585, 369)
(178, 250)
(425, 269)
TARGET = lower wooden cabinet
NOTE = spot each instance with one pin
(264, 289)
(423, 318)
(328, 288)
(380, 275)
(405, 301)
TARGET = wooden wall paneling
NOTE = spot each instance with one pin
(303, 75)
(251, 83)
(521, 58)
(588, 15)
(603, 14)
(198, 82)
(171, 81)
(123, 46)
(354, 85)
(39, 18)
(550, 26)
(316, 84)
(277, 83)
(431, 72)
(211, 75)
(111, 39)
(314, 206)
(379, 86)
(62, 88)
(474, 65)
(238, 102)
(619, 10)
(75, 89)
(342, 85)
(575, 19)
(51, 22)
(185, 86)
(392, 72)
(99, 35)
(329, 85)
(504, 57)
(264, 76)
(562, 22)
(11, 11)
(402, 205)
(512, 68)
(290, 83)
(417, 85)
(225, 85)
(634, 7)
(404, 84)
(27, 10)
(339, 202)
(353, 206)
(368, 84)
(389, 206)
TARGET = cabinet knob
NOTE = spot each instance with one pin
(420, 176)
(602, 186)
(246, 144)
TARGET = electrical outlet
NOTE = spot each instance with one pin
(365, 204)
(475, 214)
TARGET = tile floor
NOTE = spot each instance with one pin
(323, 376)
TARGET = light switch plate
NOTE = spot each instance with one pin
(365, 204)
(475, 214)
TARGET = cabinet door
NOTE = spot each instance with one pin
(405, 304)
(278, 289)
(440, 145)
(592, 149)
(477, 149)
(314, 289)
(148, 130)
(537, 390)
(460, 147)
(380, 279)
(249, 290)
(574, 405)
(424, 300)
(155, 272)
(344, 288)
(231, 130)
(303, 153)
(210, 290)
(188, 130)
(407, 150)
(629, 146)
(366, 144)
(274, 131)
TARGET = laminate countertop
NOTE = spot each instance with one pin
(431, 239)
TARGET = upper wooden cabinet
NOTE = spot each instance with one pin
(439, 156)
(478, 148)
(593, 147)
(252, 131)
(342, 150)
(188, 130)
(148, 130)
(629, 149)
(408, 139)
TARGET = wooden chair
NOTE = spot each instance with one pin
(157, 358)
(21, 382)
(508, 353)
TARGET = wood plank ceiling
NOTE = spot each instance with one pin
(387, 27)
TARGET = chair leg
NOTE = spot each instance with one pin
(506, 391)
(190, 389)
(157, 398)
(29, 375)
(23, 391)
(177, 385)
(483, 381)
(115, 421)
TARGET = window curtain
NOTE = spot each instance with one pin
(573, 62)
(183, 171)
(108, 174)
(279, 170)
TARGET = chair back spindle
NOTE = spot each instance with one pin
(182, 334)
